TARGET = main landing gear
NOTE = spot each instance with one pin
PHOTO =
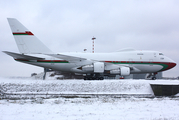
(93, 77)
(45, 71)
(151, 76)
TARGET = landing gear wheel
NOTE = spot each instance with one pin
(93, 78)
(151, 76)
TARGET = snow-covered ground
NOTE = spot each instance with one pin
(90, 109)
(104, 108)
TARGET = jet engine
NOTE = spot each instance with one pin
(87, 68)
(97, 67)
(123, 71)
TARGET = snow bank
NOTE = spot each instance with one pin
(177, 95)
(76, 86)
(164, 82)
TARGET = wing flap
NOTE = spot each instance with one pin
(66, 57)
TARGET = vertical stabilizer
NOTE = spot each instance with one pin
(26, 41)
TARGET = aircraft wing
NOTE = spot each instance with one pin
(77, 59)
(108, 65)
(66, 57)
(21, 56)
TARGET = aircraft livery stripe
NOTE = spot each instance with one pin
(23, 33)
(43, 61)
(165, 65)
(53, 61)
(22, 60)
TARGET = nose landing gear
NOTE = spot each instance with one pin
(151, 76)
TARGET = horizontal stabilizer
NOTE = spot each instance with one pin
(21, 56)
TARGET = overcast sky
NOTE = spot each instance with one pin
(69, 25)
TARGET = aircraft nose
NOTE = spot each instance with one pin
(171, 65)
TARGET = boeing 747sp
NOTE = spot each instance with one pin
(92, 65)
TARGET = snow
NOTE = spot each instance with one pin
(91, 108)
(96, 108)
(177, 95)
(77, 86)
(165, 82)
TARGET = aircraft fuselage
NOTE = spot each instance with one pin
(138, 61)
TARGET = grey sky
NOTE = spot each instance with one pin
(68, 26)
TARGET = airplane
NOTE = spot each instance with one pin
(94, 66)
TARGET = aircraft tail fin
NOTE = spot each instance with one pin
(26, 41)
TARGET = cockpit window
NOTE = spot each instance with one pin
(160, 53)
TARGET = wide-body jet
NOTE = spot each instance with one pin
(92, 65)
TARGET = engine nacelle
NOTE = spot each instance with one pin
(88, 68)
(98, 67)
(115, 72)
(123, 71)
